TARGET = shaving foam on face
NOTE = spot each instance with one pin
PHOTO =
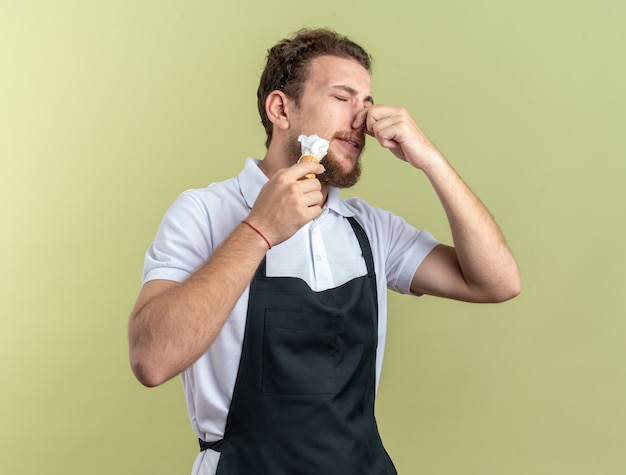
(312, 145)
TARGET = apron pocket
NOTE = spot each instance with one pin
(299, 353)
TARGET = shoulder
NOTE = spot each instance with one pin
(204, 201)
(202, 215)
(377, 222)
(363, 210)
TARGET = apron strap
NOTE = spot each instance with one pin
(215, 445)
(364, 242)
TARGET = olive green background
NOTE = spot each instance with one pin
(108, 110)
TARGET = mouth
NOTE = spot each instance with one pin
(352, 143)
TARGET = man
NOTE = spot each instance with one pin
(267, 292)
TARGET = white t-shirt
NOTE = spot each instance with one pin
(325, 253)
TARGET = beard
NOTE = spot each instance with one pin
(334, 173)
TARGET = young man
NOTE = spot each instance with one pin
(267, 292)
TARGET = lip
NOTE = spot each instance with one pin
(354, 144)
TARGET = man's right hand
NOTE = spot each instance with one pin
(173, 324)
(287, 202)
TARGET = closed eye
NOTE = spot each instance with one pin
(341, 98)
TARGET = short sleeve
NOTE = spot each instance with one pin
(181, 244)
(400, 247)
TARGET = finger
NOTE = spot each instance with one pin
(388, 131)
(375, 114)
(360, 121)
(378, 114)
(313, 198)
(302, 169)
(309, 185)
(397, 125)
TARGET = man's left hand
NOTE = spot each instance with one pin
(395, 129)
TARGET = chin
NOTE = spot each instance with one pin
(340, 178)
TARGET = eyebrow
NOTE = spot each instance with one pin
(353, 92)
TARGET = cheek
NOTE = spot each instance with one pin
(324, 121)
(332, 123)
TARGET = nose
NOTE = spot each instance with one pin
(360, 117)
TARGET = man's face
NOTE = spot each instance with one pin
(335, 91)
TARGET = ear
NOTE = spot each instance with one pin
(277, 110)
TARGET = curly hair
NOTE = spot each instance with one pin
(286, 67)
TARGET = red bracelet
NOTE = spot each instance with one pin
(258, 232)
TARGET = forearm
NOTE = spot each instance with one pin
(170, 329)
(480, 266)
(485, 260)
(172, 324)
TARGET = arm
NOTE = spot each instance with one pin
(480, 266)
(172, 324)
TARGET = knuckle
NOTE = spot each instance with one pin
(281, 178)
